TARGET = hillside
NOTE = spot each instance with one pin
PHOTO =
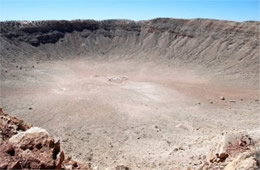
(229, 47)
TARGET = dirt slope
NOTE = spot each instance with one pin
(228, 47)
(154, 94)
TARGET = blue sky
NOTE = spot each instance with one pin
(236, 10)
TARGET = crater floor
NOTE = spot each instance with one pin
(141, 115)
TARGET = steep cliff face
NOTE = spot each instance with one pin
(231, 47)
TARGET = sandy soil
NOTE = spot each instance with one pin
(122, 112)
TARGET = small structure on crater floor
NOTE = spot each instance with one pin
(119, 79)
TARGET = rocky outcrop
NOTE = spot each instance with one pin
(51, 31)
(236, 151)
(36, 33)
(10, 126)
(26, 147)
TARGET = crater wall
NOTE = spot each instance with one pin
(229, 47)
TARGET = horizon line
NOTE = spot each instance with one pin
(125, 19)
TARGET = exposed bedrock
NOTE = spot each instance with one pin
(228, 47)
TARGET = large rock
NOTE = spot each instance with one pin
(246, 160)
(232, 144)
(10, 125)
(30, 148)
(33, 149)
(236, 151)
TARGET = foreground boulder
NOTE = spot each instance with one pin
(10, 126)
(236, 151)
(23, 146)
